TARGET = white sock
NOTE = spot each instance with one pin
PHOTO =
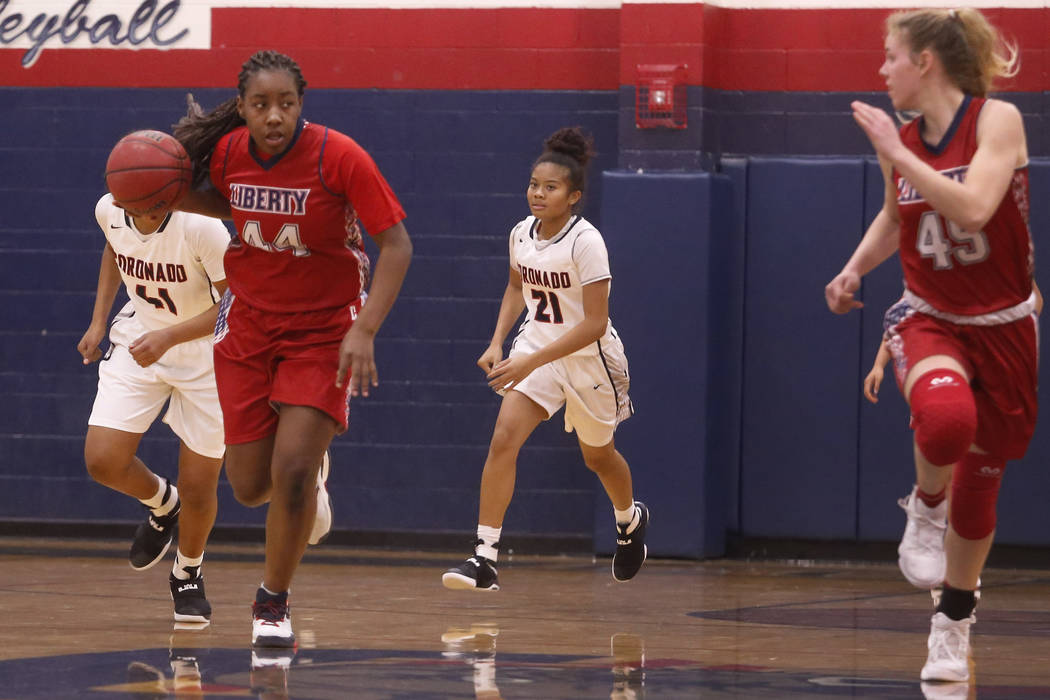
(489, 547)
(627, 517)
(182, 563)
(157, 503)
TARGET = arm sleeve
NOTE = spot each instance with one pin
(591, 257)
(518, 229)
(211, 239)
(102, 209)
(357, 176)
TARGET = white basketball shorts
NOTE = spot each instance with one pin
(593, 389)
(130, 397)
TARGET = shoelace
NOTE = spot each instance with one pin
(271, 611)
(930, 532)
(949, 644)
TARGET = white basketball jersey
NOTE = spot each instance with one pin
(168, 273)
(553, 274)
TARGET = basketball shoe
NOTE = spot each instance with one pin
(154, 536)
(949, 649)
(272, 620)
(323, 519)
(630, 545)
(921, 551)
(476, 573)
(191, 605)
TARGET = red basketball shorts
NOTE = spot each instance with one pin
(265, 359)
(1002, 363)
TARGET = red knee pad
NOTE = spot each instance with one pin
(944, 415)
(975, 491)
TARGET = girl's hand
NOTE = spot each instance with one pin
(88, 345)
(506, 374)
(880, 129)
(148, 348)
(357, 356)
(872, 382)
(839, 293)
(493, 354)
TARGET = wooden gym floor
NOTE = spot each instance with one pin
(79, 623)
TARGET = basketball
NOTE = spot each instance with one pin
(148, 172)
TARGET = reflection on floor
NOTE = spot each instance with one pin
(374, 624)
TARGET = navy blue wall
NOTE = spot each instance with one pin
(750, 418)
(412, 459)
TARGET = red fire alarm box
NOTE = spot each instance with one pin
(660, 97)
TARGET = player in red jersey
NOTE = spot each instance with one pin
(294, 338)
(956, 207)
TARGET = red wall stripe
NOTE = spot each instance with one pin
(528, 49)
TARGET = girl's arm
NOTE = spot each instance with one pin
(509, 372)
(873, 381)
(108, 283)
(510, 309)
(880, 241)
(970, 204)
(208, 202)
(357, 353)
(148, 348)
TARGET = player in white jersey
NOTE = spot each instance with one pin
(160, 351)
(566, 354)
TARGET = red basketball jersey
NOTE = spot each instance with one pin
(298, 242)
(963, 272)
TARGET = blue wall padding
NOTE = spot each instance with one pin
(885, 466)
(660, 231)
(1026, 485)
(727, 353)
(799, 460)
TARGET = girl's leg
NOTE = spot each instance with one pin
(197, 484)
(631, 519)
(965, 559)
(518, 417)
(303, 434)
(110, 458)
(248, 471)
(612, 470)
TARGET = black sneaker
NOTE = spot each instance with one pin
(476, 573)
(154, 536)
(188, 595)
(630, 547)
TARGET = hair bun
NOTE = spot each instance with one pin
(573, 142)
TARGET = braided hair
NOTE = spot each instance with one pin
(200, 131)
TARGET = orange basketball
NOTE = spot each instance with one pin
(148, 172)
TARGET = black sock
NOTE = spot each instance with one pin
(957, 604)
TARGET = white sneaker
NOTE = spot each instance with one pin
(272, 621)
(949, 649)
(323, 519)
(921, 551)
